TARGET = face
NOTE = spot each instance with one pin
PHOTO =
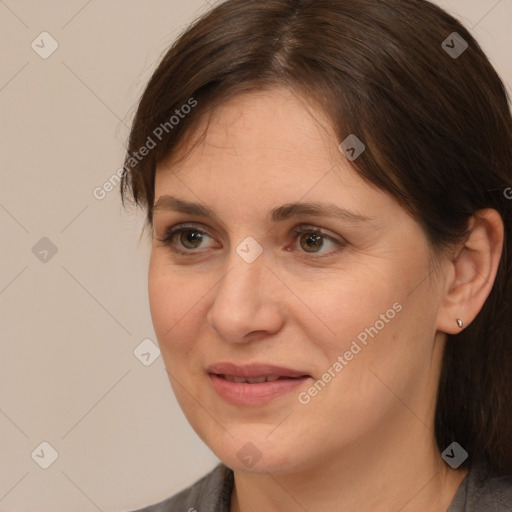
(344, 296)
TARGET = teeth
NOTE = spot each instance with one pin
(251, 380)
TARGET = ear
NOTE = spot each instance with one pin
(472, 271)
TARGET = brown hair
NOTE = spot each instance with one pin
(438, 135)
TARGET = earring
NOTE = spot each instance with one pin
(460, 323)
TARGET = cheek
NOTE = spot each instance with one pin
(378, 345)
(364, 319)
(173, 302)
(344, 305)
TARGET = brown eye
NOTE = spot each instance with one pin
(191, 239)
(311, 242)
(186, 240)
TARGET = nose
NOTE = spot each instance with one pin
(246, 304)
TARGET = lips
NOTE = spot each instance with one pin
(253, 380)
(254, 384)
(258, 393)
(254, 373)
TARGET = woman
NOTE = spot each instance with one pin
(325, 183)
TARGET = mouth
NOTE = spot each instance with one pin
(253, 371)
(256, 380)
(254, 384)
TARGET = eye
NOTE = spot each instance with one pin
(186, 239)
(311, 240)
(190, 238)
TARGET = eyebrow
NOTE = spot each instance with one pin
(278, 214)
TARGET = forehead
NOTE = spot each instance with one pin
(264, 150)
(272, 134)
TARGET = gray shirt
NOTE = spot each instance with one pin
(212, 493)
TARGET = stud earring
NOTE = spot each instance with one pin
(460, 323)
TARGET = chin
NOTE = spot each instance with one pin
(263, 466)
(257, 455)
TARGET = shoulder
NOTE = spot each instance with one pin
(481, 491)
(212, 493)
(493, 493)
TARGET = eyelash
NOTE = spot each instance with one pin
(174, 231)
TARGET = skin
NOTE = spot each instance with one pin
(366, 441)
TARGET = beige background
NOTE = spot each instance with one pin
(70, 324)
